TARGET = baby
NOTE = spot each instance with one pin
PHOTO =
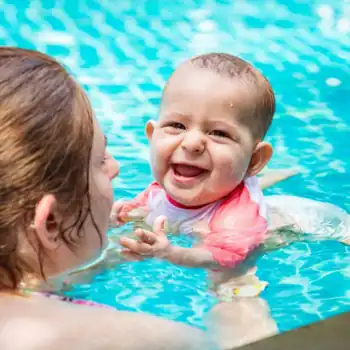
(206, 150)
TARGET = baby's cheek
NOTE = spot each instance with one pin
(163, 154)
(240, 166)
(229, 169)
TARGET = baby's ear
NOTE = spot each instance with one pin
(261, 156)
(150, 126)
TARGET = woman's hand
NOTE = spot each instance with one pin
(152, 244)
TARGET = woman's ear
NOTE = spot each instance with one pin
(261, 156)
(150, 126)
(46, 222)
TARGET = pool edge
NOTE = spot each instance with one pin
(330, 334)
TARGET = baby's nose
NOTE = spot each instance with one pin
(194, 143)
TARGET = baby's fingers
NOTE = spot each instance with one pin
(158, 226)
(136, 246)
(114, 215)
(146, 236)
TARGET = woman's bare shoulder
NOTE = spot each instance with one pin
(40, 323)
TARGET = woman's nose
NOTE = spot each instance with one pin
(113, 167)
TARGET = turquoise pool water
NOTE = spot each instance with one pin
(122, 53)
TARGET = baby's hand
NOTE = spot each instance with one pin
(115, 218)
(124, 211)
(152, 244)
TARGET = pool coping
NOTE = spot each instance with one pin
(330, 334)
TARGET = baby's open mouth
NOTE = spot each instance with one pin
(185, 170)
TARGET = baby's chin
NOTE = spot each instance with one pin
(190, 197)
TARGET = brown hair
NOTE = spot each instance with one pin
(46, 133)
(236, 68)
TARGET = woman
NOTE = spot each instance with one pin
(56, 196)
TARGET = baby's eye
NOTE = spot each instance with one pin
(176, 125)
(220, 133)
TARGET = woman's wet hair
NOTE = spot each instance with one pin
(46, 136)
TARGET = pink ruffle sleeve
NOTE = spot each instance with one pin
(236, 228)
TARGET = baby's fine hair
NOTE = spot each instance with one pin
(263, 96)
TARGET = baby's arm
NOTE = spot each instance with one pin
(190, 257)
(226, 249)
(156, 244)
(272, 177)
(203, 257)
(134, 209)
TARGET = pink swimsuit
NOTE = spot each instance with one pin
(230, 228)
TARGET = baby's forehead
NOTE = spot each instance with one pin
(190, 84)
(190, 75)
(216, 80)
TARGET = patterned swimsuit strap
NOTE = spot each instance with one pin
(69, 299)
